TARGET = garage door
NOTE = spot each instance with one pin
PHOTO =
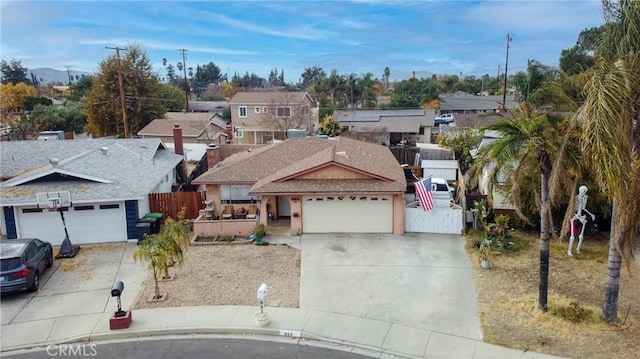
(85, 223)
(347, 214)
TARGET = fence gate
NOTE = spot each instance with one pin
(170, 204)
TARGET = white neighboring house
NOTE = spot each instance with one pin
(109, 181)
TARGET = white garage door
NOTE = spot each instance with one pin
(85, 223)
(347, 214)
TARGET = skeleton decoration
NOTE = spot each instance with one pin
(581, 205)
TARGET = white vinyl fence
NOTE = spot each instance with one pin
(441, 219)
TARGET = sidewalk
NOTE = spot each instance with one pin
(71, 308)
(342, 332)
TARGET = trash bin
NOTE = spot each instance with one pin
(142, 229)
(154, 224)
(153, 215)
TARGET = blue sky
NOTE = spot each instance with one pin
(427, 37)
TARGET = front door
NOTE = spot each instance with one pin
(284, 207)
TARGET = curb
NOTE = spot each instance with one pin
(234, 332)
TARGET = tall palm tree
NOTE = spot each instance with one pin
(528, 141)
(611, 139)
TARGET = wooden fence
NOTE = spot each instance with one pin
(170, 204)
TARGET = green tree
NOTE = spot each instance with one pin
(329, 126)
(579, 58)
(611, 137)
(69, 118)
(32, 101)
(23, 128)
(462, 142)
(141, 86)
(80, 88)
(310, 75)
(13, 72)
(152, 251)
(172, 97)
(402, 101)
(529, 140)
(528, 82)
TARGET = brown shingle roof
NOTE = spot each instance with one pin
(268, 164)
(266, 98)
(190, 127)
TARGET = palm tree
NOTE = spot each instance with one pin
(611, 138)
(528, 141)
(157, 258)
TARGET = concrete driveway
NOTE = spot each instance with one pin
(419, 280)
(76, 288)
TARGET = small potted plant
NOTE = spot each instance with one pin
(258, 233)
(486, 254)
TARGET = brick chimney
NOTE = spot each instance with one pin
(213, 155)
(177, 140)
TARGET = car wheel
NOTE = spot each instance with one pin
(50, 262)
(36, 282)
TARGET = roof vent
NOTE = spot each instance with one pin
(54, 161)
(104, 150)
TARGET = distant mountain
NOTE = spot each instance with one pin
(49, 76)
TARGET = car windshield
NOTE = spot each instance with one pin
(9, 249)
(10, 264)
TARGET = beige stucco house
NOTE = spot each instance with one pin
(262, 117)
(320, 185)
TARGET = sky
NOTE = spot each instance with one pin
(426, 37)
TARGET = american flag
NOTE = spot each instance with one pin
(425, 194)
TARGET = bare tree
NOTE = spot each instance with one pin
(286, 112)
(373, 134)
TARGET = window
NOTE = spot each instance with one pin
(235, 194)
(305, 110)
(283, 112)
(239, 133)
(31, 253)
(257, 109)
(83, 208)
(242, 111)
(31, 210)
(265, 109)
(109, 206)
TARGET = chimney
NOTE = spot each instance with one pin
(213, 155)
(177, 140)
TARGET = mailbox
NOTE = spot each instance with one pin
(118, 288)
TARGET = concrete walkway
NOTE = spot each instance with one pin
(380, 296)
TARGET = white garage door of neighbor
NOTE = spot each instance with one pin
(85, 223)
(347, 214)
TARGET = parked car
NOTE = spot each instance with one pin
(448, 117)
(439, 122)
(22, 263)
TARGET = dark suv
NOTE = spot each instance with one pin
(22, 262)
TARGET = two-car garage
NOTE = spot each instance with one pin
(347, 214)
(91, 223)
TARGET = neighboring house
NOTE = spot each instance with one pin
(208, 106)
(474, 111)
(109, 181)
(196, 127)
(320, 185)
(262, 117)
(389, 127)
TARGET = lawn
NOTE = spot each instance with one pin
(507, 296)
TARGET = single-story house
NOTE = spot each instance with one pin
(109, 181)
(197, 127)
(389, 127)
(320, 185)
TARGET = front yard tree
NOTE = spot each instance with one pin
(152, 252)
(172, 97)
(527, 141)
(611, 138)
(141, 87)
(284, 113)
(13, 72)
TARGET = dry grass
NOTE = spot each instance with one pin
(230, 275)
(507, 296)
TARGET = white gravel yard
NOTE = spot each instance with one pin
(230, 275)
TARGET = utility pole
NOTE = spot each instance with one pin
(413, 86)
(123, 103)
(504, 95)
(498, 80)
(186, 84)
(69, 75)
